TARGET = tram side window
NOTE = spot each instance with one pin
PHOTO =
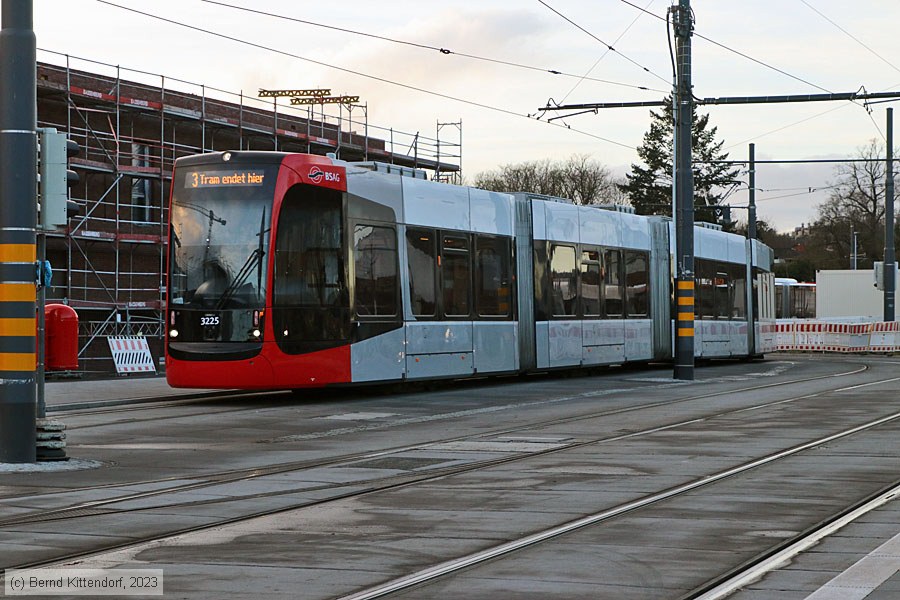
(613, 288)
(375, 262)
(542, 286)
(723, 291)
(310, 295)
(455, 275)
(422, 257)
(590, 283)
(756, 273)
(804, 301)
(739, 294)
(780, 291)
(493, 282)
(564, 281)
(704, 290)
(637, 282)
(309, 266)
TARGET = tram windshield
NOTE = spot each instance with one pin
(221, 225)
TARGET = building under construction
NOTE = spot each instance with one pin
(109, 262)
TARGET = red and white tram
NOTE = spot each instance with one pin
(295, 270)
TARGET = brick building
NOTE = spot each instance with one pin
(109, 263)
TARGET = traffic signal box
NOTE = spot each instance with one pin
(54, 151)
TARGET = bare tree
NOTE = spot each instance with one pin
(856, 204)
(586, 181)
(579, 178)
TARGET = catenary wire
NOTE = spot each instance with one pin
(783, 72)
(440, 49)
(602, 56)
(359, 73)
(738, 52)
(782, 128)
(851, 36)
(809, 191)
(609, 46)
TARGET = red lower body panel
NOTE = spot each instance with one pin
(271, 369)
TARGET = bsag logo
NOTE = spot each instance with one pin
(317, 175)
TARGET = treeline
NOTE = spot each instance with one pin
(579, 178)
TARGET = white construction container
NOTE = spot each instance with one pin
(848, 293)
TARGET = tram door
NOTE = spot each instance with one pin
(765, 301)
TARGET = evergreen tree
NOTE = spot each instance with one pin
(649, 186)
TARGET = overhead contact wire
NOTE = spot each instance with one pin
(851, 36)
(738, 52)
(440, 49)
(604, 55)
(357, 73)
(609, 46)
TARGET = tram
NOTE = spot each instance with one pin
(289, 271)
(794, 299)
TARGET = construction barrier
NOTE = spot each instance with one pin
(131, 354)
(825, 336)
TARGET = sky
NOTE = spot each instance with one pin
(764, 47)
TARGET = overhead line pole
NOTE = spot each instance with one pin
(683, 102)
(18, 218)
(751, 217)
(683, 183)
(890, 282)
(683, 98)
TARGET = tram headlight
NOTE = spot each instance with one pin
(255, 334)
(173, 333)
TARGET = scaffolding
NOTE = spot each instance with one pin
(449, 150)
(109, 263)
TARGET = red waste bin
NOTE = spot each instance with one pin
(60, 338)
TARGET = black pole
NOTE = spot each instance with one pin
(890, 283)
(751, 216)
(683, 112)
(18, 212)
(751, 240)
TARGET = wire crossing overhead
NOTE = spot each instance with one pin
(406, 86)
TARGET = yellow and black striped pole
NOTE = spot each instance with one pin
(683, 188)
(18, 218)
(684, 328)
(17, 303)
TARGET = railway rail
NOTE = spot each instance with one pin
(458, 564)
(368, 486)
(232, 475)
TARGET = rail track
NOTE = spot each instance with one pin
(232, 475)
(368, 486)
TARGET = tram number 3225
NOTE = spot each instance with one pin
(209, 320)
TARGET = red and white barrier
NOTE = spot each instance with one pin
(131, 354)
(885, 337)
(825, 336)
